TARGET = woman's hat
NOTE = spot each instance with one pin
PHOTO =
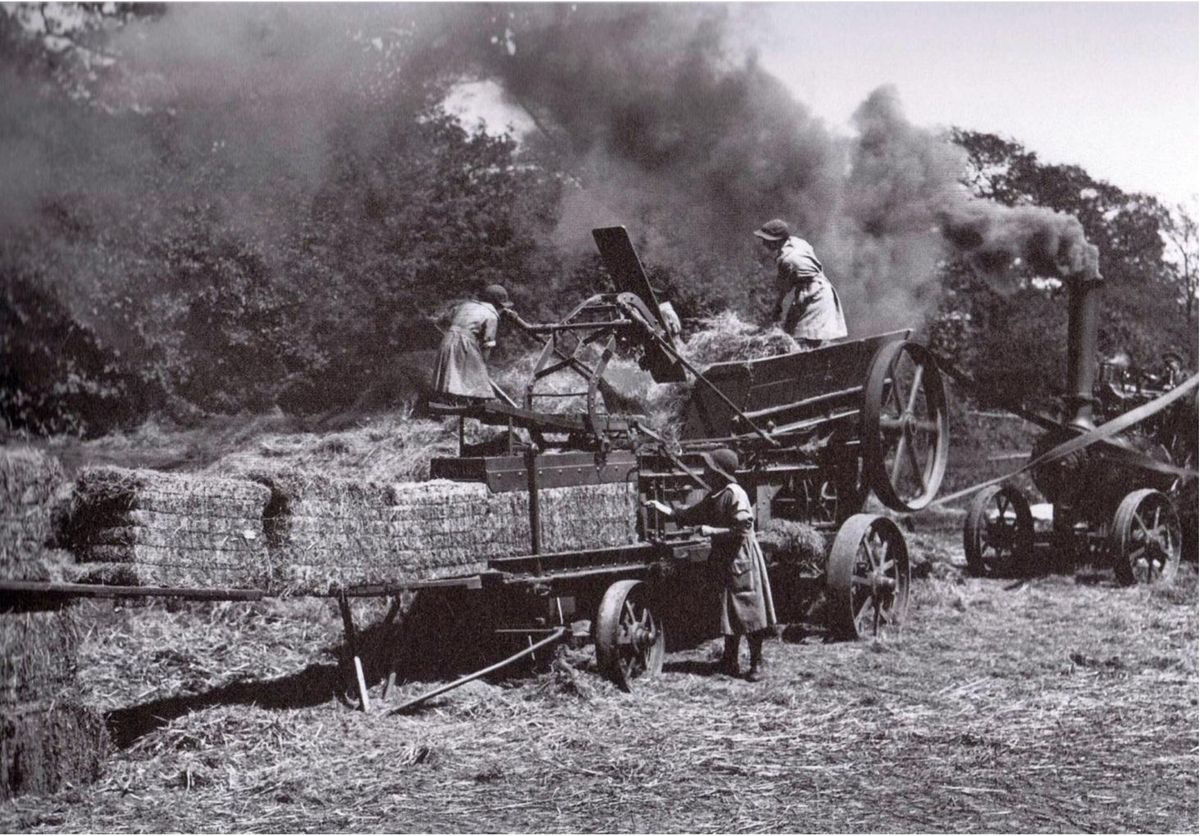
(497, 295)
(773, 230)
(723, 462)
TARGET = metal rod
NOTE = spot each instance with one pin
(813, 401)
(550, 639)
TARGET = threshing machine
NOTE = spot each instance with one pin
(816, 432)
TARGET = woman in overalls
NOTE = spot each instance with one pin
(727, 516)
(460, 375)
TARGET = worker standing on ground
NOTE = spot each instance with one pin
(807, 305)
(460, 375)
(726, 515)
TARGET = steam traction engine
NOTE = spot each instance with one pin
(816, 432)
(1119, 492)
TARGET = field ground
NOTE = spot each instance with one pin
(1063, 703)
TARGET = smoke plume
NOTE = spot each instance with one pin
(662, 121)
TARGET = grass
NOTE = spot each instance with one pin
(1056, 704)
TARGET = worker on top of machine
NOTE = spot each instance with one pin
(726, 515)
(460, 375)
(807, 305)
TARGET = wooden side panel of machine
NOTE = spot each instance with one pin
(788, 387)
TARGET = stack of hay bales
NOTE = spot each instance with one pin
(144, 528)
(327, 533)
(47, 737)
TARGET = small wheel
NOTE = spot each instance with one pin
(1146, 539)
(905, 426)
(998, 533)
(630, 638)
(867, 578)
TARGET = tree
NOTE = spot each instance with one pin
(1179, 227)
(1015, 341)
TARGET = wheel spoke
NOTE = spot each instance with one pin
(900, 452)
(867, 602)
(916, 389)
(894, 394)
(918, 471)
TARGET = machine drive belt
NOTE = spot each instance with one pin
(1107, 430)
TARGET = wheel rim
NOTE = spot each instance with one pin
(998, 532)
(630, 638)
(868, 577)
(1149, 538)
(906, 426)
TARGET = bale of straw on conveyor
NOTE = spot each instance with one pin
(326, 533)
(32, 486)
(144, 528)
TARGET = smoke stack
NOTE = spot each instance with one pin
(1082, 326)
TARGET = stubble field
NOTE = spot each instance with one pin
(1062, 703)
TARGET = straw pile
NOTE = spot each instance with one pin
(30, 482)
(793, 542)
(326, 533)
(727, 337)
(141, 527)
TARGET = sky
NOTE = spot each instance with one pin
(1113, 87)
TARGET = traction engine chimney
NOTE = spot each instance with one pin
(1082, 326)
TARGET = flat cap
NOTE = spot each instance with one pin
(497, 295)
(773, 230)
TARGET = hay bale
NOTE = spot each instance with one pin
(140, 527)
(30, 485)
(325, 533)
(47, 738)
(46, 745)
(38, 654)
(104, 491)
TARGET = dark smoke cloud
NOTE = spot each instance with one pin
(664, 123)
(689, 142)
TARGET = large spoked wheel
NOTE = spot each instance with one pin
(998, 533)
(630, 639)
(1146, 539)
(867, 578)
(905, 426)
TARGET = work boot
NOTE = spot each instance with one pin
(757, 672)
(729, 660)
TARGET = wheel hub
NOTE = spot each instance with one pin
(643, 638)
